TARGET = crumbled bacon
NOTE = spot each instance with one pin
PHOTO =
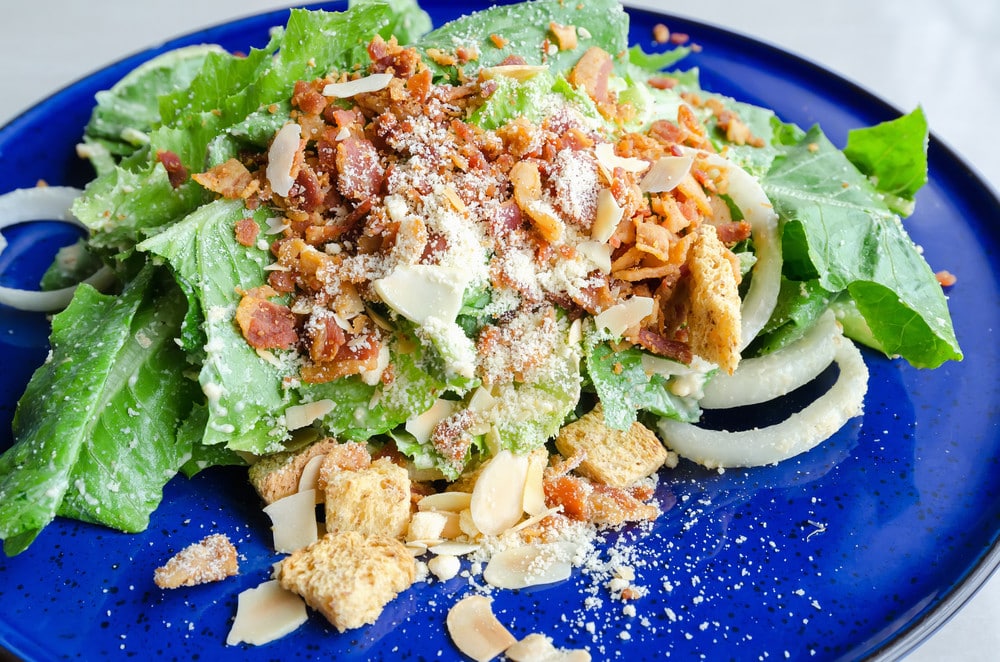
(266, 325)
(359, 171)
(246, 231)
(658, 344)
(177, 174)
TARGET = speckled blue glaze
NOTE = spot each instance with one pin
(856, 549)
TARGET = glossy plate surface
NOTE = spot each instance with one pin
(858, 548)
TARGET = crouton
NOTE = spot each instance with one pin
(277, 476)
(349, 456)
(713, 318)
(613, 457)
(211, 559)
(374, 500)
(349, 577)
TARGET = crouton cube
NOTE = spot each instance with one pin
(211, 559)
(613, 457)
(714, 318)
(374, 500)
(277, 476)
(349, 577)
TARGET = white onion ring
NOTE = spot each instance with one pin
(776, 374)
(798, 433)
(749, 196)
(43, 203)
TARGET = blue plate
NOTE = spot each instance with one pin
(858, 548)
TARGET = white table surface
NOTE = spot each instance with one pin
(938, 54)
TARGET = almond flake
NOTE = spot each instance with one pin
(347, 89)
(497, 498)
(299, 416)
(529, 565)
(476, 631)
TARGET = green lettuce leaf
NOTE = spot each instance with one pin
(95, 430)
(838, 230)
(893, 155)
(524, 28)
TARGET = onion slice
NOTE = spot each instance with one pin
(749, 196)
(776, 374)
(50, 203)
(798, 433)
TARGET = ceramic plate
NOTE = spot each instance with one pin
(858, 548)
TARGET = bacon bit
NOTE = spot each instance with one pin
(732, 232)
(282, 281)
(662, 83)
(466, 54)
(246, 231)
(358, 167)
(565, 36)
(498, 41)
(451, 437)
(358, 354)
(231, 180)
(512, 59)
(679, 38)
(324, 338)
(266, 325)
(661, 34)
(307, 98)
(177, 174)
(946, 278)
(569, 492)
(592, 73)
(663, 346)
(442, 58)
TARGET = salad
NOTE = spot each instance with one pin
(448, 252)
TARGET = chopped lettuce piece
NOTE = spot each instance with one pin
(838, 230)
(96, 427)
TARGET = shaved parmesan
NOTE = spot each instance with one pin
(597, 252)
(266, 613)
(421, 291)
(347, 89)
(281, 158)
(521, 72)
(666, 173)
(293, 521)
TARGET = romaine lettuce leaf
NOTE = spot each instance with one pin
(246, 398)
(112, 383)
(838, 230)
(894, 156)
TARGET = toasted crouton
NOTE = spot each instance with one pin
(277, 476)
(349, 577)
(714, 319)
(374, 500)
(211, 559)
(613, 457)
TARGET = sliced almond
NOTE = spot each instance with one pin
(520, 72)
(528, 565)
(299, 416)
(266, 613)
(606, 157)
(539, 648)
(453, 548)
(476, 631)
(666, 174)
(597, 252)
(293, 521)
(497, 498)
(533, 498)
(309, 480)
(422, 425)
(281, 158)
(534, 519)
(454, 502)
(347, 89)
(609, 215)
